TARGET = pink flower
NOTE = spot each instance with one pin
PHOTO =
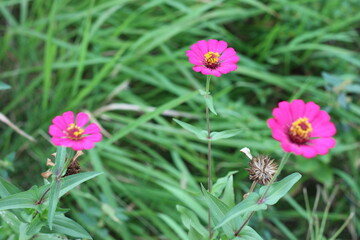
(67, 132)
(212, 57)
(302, 128)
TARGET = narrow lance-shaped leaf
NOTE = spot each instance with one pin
(201, 134)
(72, 181)
(208, 100)
(247, 233)
(218, 210)
(247, 205)
(25, 199)
(224, 134)
(189, 219)
(279, 189)
(69, 227)
(53, 201)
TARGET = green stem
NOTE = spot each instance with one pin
(207, 93)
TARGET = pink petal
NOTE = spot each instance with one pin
(327, 129)
(233, 59)
(325, 142)
(222, 45)
(230, 52)
(295, 148)
(59, 122)
(61, 142)
(77, 145)
(97, 137)
(297, 109)
(216, 73)
(82, 119)
(203, 46)
(226, 68)
(286, 145)
(68, 117)
(198, 68)
(92, 128)
(311, 110)
(56, 131)
(308, 151)
(194, 59)
(213, 45)
(321, 118)
(284, 107)
(88, 145)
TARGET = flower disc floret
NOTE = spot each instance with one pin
(70, 132)
(212, 57)
(302, 128)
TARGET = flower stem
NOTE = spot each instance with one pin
(207, 93)
(281, 166)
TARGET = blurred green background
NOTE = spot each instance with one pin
(118, 60)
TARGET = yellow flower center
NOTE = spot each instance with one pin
(300, 131)
(212, 59)
(74, 132)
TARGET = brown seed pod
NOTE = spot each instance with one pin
(262, 169)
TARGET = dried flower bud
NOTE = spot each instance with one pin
(46, 174)
(262, 169)
(49, 163)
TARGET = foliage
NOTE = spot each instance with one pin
(117, 59)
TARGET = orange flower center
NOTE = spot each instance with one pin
(300, 131)
(74, 132)
(212, 59)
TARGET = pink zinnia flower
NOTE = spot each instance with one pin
(212, 57)
(67, 132)
(302, 128)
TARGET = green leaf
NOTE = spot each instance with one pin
(189, 219)
(11, 220)
(4, 86)
(35, 225)
(247, 233)
(201, 134)
(229, 196)
(195, 235)
(224, 134)
(7, 188)
(72, 181)
(47, 237)
(220, 184)
(209, 103)
(53, 201)
(247, 205)
(218, 210)
(280, 188)
(25, 199)
(69, 227)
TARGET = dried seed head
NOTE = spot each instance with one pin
(73, 168)
(262, 169)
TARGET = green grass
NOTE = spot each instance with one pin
(78, 55)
